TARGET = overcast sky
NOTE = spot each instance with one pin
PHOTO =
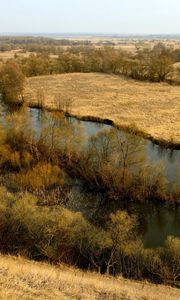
(88, 16)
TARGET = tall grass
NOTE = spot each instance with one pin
(23, 279)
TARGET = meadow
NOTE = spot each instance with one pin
(24, 279)
(153, 108)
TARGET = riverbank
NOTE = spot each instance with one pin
(150, 109)
(25, 279)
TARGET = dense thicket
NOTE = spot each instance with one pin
(112, 163)
(11, 81)
(60, 235)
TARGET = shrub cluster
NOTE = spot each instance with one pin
(60, 235)
(111, 162)
(150, 65)
(11, 81)
(35, 164)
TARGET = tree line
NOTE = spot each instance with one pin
(153, 65)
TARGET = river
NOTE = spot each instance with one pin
(157, 221)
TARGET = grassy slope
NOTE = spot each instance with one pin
(153, 107)
(23, 279)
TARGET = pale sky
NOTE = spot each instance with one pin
(90, 16)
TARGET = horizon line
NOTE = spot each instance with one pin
(89, 33)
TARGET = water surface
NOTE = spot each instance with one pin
(156, 221)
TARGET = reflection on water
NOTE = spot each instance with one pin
(169, 159)
(161, 222)
(156, 221)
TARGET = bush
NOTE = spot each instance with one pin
(43, 175)
(11, 81)
(53, 233)
(60, 235)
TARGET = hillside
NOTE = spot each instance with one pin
(153, 107)
(23, 279)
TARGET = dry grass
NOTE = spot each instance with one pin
(153, 107)
(23, 279)
(177, 65)
(6, 55)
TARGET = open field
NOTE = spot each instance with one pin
(6, 55)
(153, 107)
(23, 279)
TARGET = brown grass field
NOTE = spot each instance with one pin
(6, 55)
(28, 280)
(153, 108)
